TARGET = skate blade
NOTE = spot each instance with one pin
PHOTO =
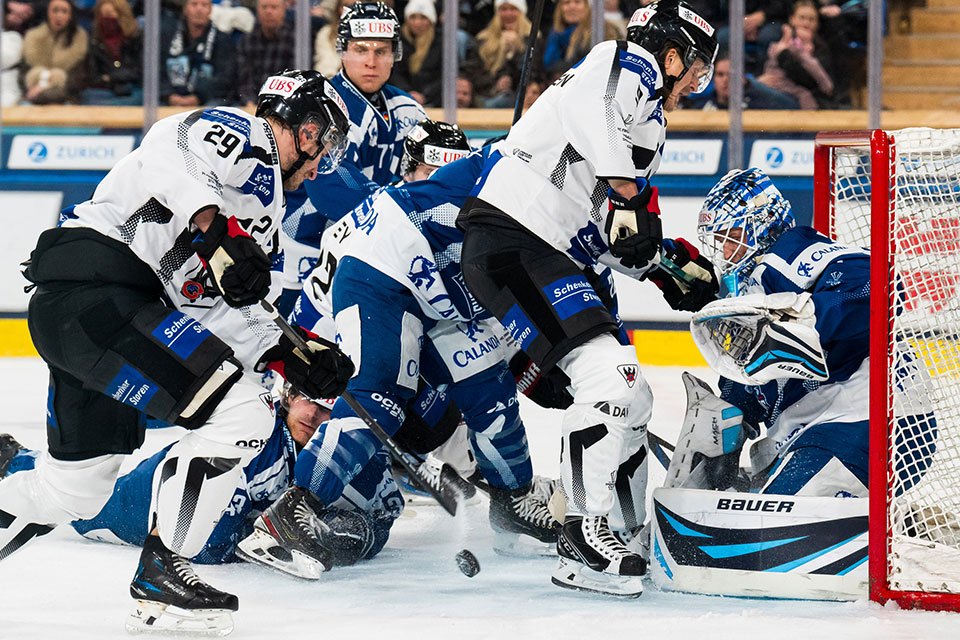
(578, 576)
(149, 617)
(261, 548)
(518, 545)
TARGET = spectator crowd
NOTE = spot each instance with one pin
(800, 54)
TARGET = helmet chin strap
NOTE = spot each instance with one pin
(302, 157)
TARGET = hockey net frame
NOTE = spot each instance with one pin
(891, 191)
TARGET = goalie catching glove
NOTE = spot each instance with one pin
(322, 373)
(239, 267)
(685, 278)
(633, 226)
(757, 338)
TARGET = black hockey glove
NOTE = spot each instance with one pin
(239, 267)
(685, 278)
(322, 373)
(633, 226)
(549, 390)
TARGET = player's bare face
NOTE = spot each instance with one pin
(304, 417)
(368, 63)
(422, 172)
(687, 83)
(309, 144)
(733, 247)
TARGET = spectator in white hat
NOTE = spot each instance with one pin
(495, 65)
(419, 73)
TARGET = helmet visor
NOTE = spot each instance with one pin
(700, 68)
(331, 144)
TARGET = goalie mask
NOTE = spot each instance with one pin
(742, 216)
(433, 143)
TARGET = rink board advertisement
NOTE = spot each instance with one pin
(768, 546)
(43, 173)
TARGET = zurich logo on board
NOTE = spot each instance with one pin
(775, 157)
(37, 152)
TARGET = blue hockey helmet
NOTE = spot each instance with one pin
(742, 216)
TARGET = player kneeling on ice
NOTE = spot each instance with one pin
(790, 342)
(353, 528)
(145, 305)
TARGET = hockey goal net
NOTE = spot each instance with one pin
(898, 193)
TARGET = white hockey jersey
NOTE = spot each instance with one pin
(220, 157)
(600, 120)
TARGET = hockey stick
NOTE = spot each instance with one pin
(660, 448)
(448, 494)
(527, 56)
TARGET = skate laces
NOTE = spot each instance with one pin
(532, 508)
(185, 571)
(606, 542)
(307, 519)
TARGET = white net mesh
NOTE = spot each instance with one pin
(923, 368)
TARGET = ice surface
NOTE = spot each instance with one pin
(65, 587)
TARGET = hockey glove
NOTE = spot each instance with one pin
(633, 226)
(239, 267)
(548, 390)
(322, 373)
(685, 278)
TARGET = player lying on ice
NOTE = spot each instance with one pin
(356, 526)
(790, 342)
(389, 287)
(146, 304)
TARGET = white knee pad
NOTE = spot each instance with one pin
(59, 491)
(603, 462)
(606, 375)
(199, 475)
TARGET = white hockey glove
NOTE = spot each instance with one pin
(757, 338)
(633, 226)
(708, 449)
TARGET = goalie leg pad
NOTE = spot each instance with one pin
(605, 427)
(201, 471)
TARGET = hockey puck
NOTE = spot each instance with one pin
(467, 563)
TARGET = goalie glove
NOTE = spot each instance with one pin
(633, 226)
(685, 278)
(322, 373)
(757, 338)
(239, 267)
(707, 455)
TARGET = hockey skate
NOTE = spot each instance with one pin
(9, 448)
(593, 559)
(171, 598)
(292, 536)
(521, 519)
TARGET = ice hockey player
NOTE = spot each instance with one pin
(401, 311)
(145, 306)
(355, 527)
(571, 188)
(790, 341)
(381, 116)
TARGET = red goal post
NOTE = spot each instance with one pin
(898, 193)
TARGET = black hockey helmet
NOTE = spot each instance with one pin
(369, 21)
(435, 143)
(674, 23)
(306, 98)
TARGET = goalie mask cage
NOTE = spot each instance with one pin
(898, 193)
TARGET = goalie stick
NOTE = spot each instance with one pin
(447, 493)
